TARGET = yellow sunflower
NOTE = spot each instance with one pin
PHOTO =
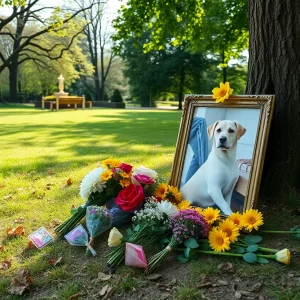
(124, 182)
(231, 230)
(184, 204)
(222, 93)
(218, 240)
(251, 218)
(211, 215)
(236, 219)
(161, 190)
(111, 163)
(173, 194)
(106, 175)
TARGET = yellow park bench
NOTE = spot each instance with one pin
(66, 100)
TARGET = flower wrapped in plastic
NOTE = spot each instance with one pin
(98, 220)
(150, 224)
(185, 224)
(79, 237)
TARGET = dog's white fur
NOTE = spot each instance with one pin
(214, 181)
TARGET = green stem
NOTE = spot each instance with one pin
(259, 248)
(280, 231)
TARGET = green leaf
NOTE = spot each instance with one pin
(191, 243)
(252, 248)
(182, 259)
(137, 228)
(240, 250)
(129, 231)
(187, 252)
(252, 239)
(262, 260)
(250, 258)
(165, 240)
(204, 246)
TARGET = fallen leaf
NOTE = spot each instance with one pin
(54, 223)
(2, 248)
(69, 181)
(173, 282)
(30, 245)
(75, 296)
(2, 186)
(20, 283)
(103, 277)
(41, 196)
(153, 276)
(260, 297)
(246, 293)
(109, 293)
(226, 267)
(50, 172)
(7, 197)
(5, 265)
(54, 261)
(47, 187)
(205, 285)
(103, 290)
(256, 287)
(73, 206)
(13, 232)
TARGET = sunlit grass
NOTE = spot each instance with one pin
(41, 150)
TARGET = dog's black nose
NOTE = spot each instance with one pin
(223, 139)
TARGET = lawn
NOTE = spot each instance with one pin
(42, 150)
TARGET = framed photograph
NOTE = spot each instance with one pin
(220, 150)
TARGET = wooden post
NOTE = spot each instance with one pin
(83, 102)
(43, 103)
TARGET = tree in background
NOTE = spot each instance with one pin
(116, 97)
(98, 40)
(27, 43)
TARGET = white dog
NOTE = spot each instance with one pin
(214, 181)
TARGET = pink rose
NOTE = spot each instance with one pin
(125, 167)
(143, 179)
(130, 197)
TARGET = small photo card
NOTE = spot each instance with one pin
(41, 237)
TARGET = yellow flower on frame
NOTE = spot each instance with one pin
(251, 218)
(222, 93)
(231, 230)
(106, 175)
(218, 240)
(184, 204)
(198, 209)
(211, 215)
(236, 219)
(161, 190)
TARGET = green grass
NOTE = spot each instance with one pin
(41, 150)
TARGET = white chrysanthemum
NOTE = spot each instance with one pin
(167, 207)
(92, 183)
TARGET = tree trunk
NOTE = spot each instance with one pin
(97, 84)
(181, 87)
(274, 68)
(102, 72)
(13, 77)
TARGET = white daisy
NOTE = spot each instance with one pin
(92, 183)
(167, 207)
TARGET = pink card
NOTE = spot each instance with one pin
(41, 237)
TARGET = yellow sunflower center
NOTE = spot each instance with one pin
(251, 220)
(219, 240)
(227, 231)
(222, 93)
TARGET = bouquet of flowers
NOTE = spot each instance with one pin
(114, 181)
(186, 224)
(150, 224)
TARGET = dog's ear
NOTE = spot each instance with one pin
(240, 130)
(211, 129)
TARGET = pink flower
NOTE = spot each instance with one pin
(143, 179)
(125, 167)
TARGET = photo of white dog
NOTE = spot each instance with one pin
(214, 182)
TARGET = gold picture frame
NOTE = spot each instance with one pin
(255, 112)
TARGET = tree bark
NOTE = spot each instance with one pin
(181, 87)
(274, 68)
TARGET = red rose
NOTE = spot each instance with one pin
(130, 197)
(126, 168)
(144, 179)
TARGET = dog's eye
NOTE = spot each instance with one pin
(231, 130)
(219, 130)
